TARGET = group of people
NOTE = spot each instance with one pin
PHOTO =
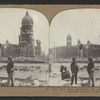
(64, 72)
(75, 70)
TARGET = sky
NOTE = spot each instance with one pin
(10, 23)
(83, 24)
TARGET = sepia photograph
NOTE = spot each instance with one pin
(35, 52)
(23, 47)
(75, 47)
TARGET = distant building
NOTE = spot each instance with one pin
(79, 50)
(78, 42)
(69, 40)
(26, 46)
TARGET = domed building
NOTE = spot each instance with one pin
(26, 46)
(26, 40)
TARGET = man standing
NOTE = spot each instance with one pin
(10, 70)
(90, 70)
(74, 71)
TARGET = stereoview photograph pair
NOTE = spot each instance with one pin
(36, 52)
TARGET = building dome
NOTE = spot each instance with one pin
(88, 42)
(27, 20)
(69, 36)
(79, 41)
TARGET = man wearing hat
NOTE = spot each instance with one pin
(74, 71)
(90, 70)
(10, 70)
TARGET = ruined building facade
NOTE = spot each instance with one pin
(69, 51)
(26, 46)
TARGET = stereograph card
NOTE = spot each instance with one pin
(49, 50)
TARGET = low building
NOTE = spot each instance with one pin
(79, 51)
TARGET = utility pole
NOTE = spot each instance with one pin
(49, 65)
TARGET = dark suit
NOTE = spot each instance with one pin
(10, 65)
(74, 70)
(90, 72)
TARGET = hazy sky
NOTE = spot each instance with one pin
(10, 23)
(83, 24)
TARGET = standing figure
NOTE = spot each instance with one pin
(90, 70)
(10, 71)
(74, 71)
(63, 72)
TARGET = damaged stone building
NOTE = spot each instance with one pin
(80, 50)
(26, 46)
